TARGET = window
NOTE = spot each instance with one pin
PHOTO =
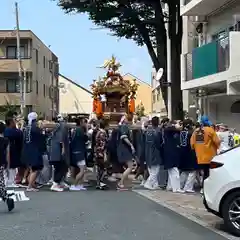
(51, 92)
(13, 85)
(28, 84)
(50, 65)
(12, 52)
(44, 62)
(36, 56)
(36, 87)
(44, 90)
(56, 69)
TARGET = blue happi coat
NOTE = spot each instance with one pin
(112, 146)
(33, 146)
(78, 146)
(188, 159)
(60, 137)
(153, 144)
(138, 143)
(171, 138)
(15, 138)
(124, 151)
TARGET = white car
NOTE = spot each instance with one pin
(222, 189)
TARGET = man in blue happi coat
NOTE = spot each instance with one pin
(153, 143)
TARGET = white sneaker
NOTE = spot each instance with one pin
(74, 188)
(102, 184)
(179, 191)
(81, 187)
(189, 191)
(56, 188)
(143, 182)
(30, 189)
(50, 182)
(148, 186)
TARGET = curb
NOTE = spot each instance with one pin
(191, 217)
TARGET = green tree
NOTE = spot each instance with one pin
(140, 110)
(143, 21)
(8, 110)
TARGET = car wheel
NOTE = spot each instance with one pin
(231, 213)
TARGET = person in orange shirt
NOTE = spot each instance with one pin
(205, 142)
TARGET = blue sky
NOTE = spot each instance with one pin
(80, 49)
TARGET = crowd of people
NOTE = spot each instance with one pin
(38, 153)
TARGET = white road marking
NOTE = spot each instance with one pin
(19, 196)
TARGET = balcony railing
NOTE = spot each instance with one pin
(14, 58)
(209, 59)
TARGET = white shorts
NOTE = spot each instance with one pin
(81, 163)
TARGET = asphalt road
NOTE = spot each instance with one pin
(96, 215)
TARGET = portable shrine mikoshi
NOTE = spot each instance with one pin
(113, 96)
(51, 125)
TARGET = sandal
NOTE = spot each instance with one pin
(121, 187)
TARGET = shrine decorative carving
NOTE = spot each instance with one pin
(119, 93)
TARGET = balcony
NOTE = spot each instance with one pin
(14, 98)
(216, 63)
(11, 65)
(209, 59)
(203, 7)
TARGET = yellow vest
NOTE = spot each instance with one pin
(236, 140)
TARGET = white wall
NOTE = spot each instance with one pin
(218, 110)
(74, 99)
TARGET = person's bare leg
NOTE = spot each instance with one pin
(80, 176)
(126, 173)
(32, 179)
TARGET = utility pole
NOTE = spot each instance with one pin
(52, 91)
(19, 60)
(169, 80)
(24, 88)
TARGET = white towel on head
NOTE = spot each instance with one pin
(31, 117)
(60, 117)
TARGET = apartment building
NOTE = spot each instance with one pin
(40, 71)
(211, 56)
